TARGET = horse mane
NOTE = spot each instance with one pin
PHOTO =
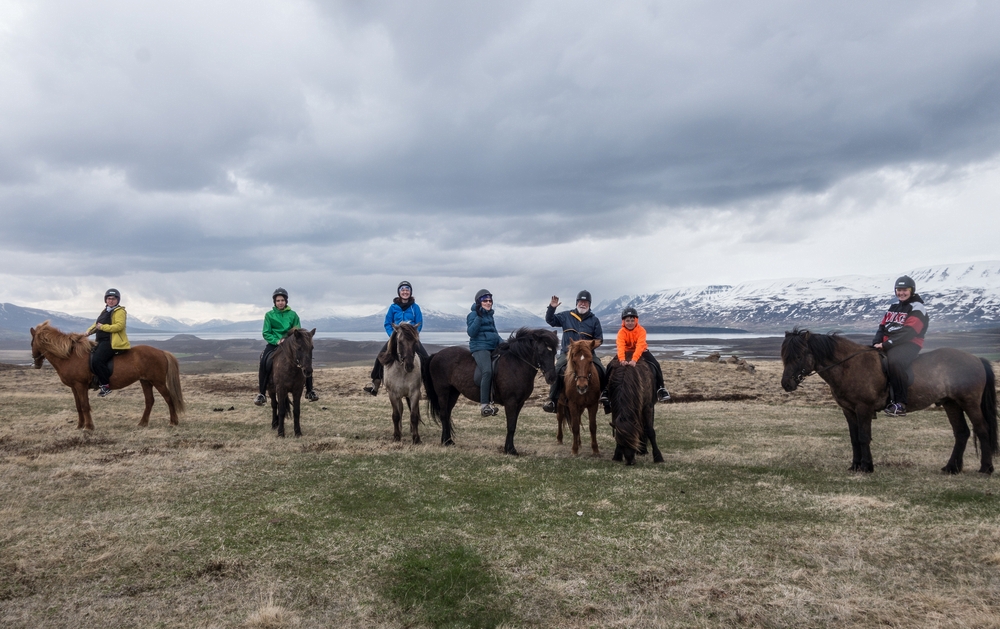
(61, 344)
(822, 346)
(521, 342)
(391, 353)
(627, 398)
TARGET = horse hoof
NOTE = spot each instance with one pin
(449, 442)
(951, 469)
(658, 458)
(512, 451)
(281, 434)
(298, 434)
(986, 470)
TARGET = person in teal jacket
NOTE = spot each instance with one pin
(278, 322)
(483, 339)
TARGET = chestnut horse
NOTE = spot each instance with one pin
(960, 382)
(292, 364)
(69, 355)
(632, 393)
(581, 392)
(402, 378)
(450, 373)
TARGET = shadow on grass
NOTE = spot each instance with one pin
(446, 586)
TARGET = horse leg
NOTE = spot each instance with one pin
(82, 399)
(397, 416)
(274, 410)
(169, 399)
(511, 411)
(865, 441)
(450, 399)
(575, 418)
(414, 405)
(975, 414)
(852, 427)
(651, 434)
(592, 411)
(282, 410)
(961, 429)
(147, 394)
(296, 408)
(619, 455)
(560, 418)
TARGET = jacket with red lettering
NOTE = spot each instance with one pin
(904, 322)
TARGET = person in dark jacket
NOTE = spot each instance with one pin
(111, 338)
(901, 336)
(403, 309)
(577, 324)
(483, 339)
(278, 322)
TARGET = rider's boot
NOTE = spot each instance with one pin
(605, 402)
(373, 387)
(311, 396)
(896, 409)
(104, 390)
(662, 395)
(260, 399)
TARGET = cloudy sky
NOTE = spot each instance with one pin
(196, 155)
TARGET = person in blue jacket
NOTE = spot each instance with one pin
(483, 339)
(403, 309)
(577, 324)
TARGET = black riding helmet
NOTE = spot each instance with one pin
(905, 281)
(279, 292)
(583, 295)
(113, 292)
(629, 312)
(483, 293)
(401, 285)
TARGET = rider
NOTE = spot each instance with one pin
(901, 336)
(278, 322)
(111, 338)
(579, 323)
(631, 345)
(483, 339)
(403, 309)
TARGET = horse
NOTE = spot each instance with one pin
(69, 355)
(402, 377)
(450, 373)
(581, 391)
(292, 364)
(959, 381)
(632, 393)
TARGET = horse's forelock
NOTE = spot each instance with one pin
(61, 345)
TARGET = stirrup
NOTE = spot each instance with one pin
(896, 410)
(104, 391)
(372, 387)
(260, 399)
(311, 396)
(549, 407)
(663, 395)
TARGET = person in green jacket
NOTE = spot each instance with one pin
(277, 323)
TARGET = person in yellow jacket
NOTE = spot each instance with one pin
(111, 338)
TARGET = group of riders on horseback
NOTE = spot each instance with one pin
(900, 337)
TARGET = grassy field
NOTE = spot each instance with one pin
(752, 521)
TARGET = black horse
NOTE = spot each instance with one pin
(960, 382)
(450, 373)
(292, 364)
(632, 393)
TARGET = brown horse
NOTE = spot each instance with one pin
(451, 373)
(292, 364)
(69, 354)
(581, 391)
(402, 378)
(632, 393)
(956, 380)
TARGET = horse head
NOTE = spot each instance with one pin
(581, 356)
(302, 349)
(628, 395)
(403, 345)
(36, 351)
(546, 345)
(797, 357)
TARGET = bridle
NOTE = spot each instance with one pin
(805, 373)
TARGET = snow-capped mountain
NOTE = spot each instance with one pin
(958, 296)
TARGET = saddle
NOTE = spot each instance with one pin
(111, 369)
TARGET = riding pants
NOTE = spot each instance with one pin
(99, 361)
(484, 361)
(263, 372)
(556, 389)
(378, 371)
(648, 358)
(900, 358)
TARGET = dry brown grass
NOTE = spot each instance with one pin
(752, 521)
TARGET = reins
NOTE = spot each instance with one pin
(841, 362)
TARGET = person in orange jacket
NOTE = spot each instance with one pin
(632, 347)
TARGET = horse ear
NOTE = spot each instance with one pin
(312, 333)
(593, 344)
(806, 335)
(394, 326)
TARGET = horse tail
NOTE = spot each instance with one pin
(432, 399)
(989, 405)
(173, 382)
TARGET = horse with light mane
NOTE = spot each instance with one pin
(69, 355)
(402, 377)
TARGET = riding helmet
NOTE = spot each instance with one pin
(279, 292)
(906, 281)
(629, 312)
(483, 293)
(113, 292)
(401, 285)
(583, 295)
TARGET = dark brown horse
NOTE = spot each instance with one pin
(632, 393)
(450, 373)
(581, 392)
(293, 362)
(402, 378)
(954, 379)
(69, 354)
